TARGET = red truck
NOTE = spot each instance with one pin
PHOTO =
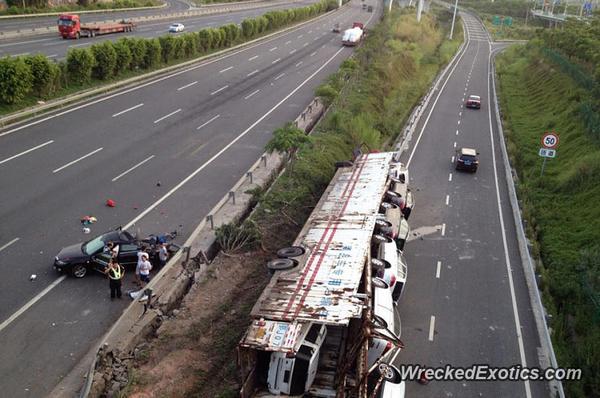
(70, 27)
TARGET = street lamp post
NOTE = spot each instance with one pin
(453, 19)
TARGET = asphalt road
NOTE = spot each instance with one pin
(56, 48)
(466, 300)
(196, 131)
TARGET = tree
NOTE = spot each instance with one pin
(15, 79)
(44, 73)
(80, 62)
(105, 58)
(287, 139)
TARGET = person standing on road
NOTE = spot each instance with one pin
(145, 268)
(163, 255)
(140, 254)
(115, 273)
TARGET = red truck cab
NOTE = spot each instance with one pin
(358, 25)
(69, 26)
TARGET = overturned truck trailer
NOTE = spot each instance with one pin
(311, 325)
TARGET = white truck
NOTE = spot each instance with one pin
(314, 323)
(354, 35)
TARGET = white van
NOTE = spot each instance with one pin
(295, 375)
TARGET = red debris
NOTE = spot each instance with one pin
(110, 203)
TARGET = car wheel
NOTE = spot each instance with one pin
(387, 205)
(280, 264)
(79, 271)
(379, 239)
(379, 322)
(390, 373)
(380, 264)
(382, 224)
(380, 283)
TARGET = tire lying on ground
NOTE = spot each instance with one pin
(280, 264)
(290, 252)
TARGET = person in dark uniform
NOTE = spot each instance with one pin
(115, 274)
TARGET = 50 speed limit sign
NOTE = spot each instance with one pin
(550, 140)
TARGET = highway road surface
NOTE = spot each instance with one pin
(466, 300)
(195, 131)
(54, 47)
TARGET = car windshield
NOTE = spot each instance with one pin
(93, 246)
(65, 22)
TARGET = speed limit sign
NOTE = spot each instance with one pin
(550, 140)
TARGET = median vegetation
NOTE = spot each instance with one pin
(28, 79)
(553, 84)
(370, 97)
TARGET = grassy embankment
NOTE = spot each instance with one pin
(372, 96)
(562, 206)
(516, 9)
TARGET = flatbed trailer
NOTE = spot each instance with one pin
(70, 27)
(330, 285)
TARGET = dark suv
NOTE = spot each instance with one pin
(467, 159)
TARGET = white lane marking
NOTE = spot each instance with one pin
(447, 199)
(434, 104)
(226, 69)
(25, 42)
(456, 132)
(132, 168)
(300, 36)
(251, 94)
(272, 49)
(305, 44)
(277, 60)
(279, 77)
(166, 116)
(452, 160)
(231, 143)
(450, 177)
(459, 121)
(444, 229)
(504, 241)
(19, 55)
(253, 58)
(9, 243)
(309, 32)
(26, 152)
(79, 45)
(431, 327)
(313, 54)
(298, 64)
(77, 160)
(293, 51)
(459, 114)
(187, 85)
(438, 269)
(52, 56)
(288, 42)
(209, 121)
(127, 110)
(31, 302)
(219, 90)
(316, 38)
(252, 73)
(454, 144)
(461, 105)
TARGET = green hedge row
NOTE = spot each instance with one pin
(15, 7)
(36, 77)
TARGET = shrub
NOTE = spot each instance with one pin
(137, 47)
(80, 62)
(178, 47)
(205, 40)
(152, 54)
(190, 45)
(218, 40)
(15, 80)
(287, 139)
(105, 58)
(248, 28)
(43, 72)
(327, 93)
(224, 42)
(167, 48)
(232, 238)
(124, 56)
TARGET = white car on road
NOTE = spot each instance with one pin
(176, 27)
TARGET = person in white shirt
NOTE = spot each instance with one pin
(145, 268)
(163, 255)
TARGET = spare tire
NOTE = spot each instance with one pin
(381, 224)
(291, 251)
(379, 239)
(380, 283)
(387, 205)
(380, 264)
(280, 264)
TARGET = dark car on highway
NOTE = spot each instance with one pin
(467, 159)
(78, 259)
(474, 101)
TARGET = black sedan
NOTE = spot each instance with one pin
(79, 258)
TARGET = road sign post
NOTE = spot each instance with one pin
(548, 150)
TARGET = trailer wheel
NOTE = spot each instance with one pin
(77, 36)
(289, 252)
(92, 33)
(379, 239)
(380, 283)
(380, 264)
(382, 224)
(280, 264)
